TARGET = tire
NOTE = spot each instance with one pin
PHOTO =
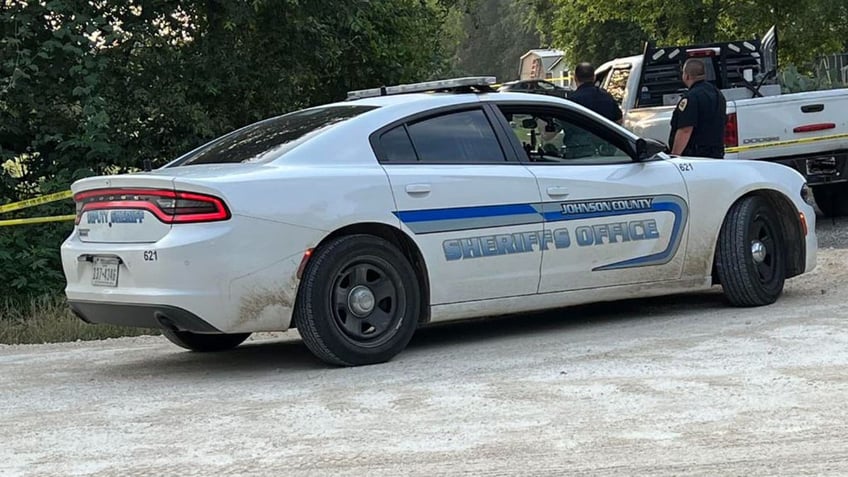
(344, 331)
(832, 199)
(204, 343)
(748, 279)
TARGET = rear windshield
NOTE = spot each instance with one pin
(268, 139)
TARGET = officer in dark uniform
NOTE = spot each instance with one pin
(698, 121)
(592, 97)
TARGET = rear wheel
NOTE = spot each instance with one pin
(359, 301)
(832, 199)
(751, 257)
(203, 342)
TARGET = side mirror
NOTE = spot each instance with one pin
(647, 148)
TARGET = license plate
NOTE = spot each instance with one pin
(821, 166)
(105, 272)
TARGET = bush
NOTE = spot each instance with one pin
(794, 81)
(48, 319)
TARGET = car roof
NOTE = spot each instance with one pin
(431, 100)
(397, 107)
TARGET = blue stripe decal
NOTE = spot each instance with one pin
(506, 215)
(666, 255)
(558, 216)
(412, 216)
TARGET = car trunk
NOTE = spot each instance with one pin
(143, 208)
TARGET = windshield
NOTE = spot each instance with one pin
(268, 139)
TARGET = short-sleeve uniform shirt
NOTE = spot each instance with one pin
(704, 108)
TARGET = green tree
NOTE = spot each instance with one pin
(806, 28)
(98, 87)
(492, 36)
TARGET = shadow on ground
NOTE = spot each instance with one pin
(289, 355)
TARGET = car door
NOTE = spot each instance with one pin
(614, 221)
(466, 200)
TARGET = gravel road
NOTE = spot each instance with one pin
(673, 386)
(832, 233)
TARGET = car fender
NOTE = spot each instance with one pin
(714, 185)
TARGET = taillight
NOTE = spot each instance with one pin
(171, 207)
(702, 52)
(731, 131)
(814, 127)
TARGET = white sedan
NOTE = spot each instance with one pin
(359, 221)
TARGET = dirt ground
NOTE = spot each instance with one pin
(672, 386)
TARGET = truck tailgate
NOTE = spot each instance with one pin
(792, 125)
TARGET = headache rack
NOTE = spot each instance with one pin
(470, 84)
(661, 85)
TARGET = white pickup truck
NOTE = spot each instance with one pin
(806, 131)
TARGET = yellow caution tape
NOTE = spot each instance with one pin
(25, 204)
(44, 199)
(785, 143)
(37, 220)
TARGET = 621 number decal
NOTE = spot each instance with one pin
(150, 256)
(686, 166)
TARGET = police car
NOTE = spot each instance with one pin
(359, 221)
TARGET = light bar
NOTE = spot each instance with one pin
(482, 82)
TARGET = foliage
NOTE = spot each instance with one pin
(600, 31)
(47, 319)
(491, 37)
(98, 87)
(794, 81)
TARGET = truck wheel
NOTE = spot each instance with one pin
(832, 199)
(750, 255)
(205, 343)
(359, 301)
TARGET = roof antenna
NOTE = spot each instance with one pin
(148, 165)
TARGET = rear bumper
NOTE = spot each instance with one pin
(231, 277)
(818, 169)
(140, 316)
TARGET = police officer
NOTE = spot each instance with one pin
(698, 121)
(592, 97)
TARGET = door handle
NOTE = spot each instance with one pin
(812, 108)
(557, 191)
(418, 189)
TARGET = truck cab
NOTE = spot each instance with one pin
(806, 131)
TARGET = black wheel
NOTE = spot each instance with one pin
(832, 199)
(205, 343)
(359, 301)
(750, 257)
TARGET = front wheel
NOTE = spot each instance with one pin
(750, 257)
(205, 342)
(359, 301)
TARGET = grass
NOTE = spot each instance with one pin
(49, 320)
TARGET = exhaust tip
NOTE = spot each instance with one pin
(165, 322)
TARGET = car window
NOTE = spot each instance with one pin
(618, 83)
(601, 77)
(544, 85)
(464, 138)
(396, 146)
(268, 139)
(555, 139)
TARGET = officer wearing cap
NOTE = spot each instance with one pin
(592, 97)
(698, 121)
